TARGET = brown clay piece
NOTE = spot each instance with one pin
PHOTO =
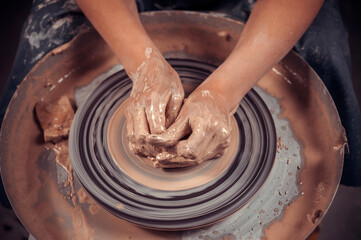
(55, 118)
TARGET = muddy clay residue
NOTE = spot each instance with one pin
(82, 211)
(39, 179)
(318, 180)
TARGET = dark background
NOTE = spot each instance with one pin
(343, 221)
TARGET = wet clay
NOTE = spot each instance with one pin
(201, 131)
(78, 218)
(318, 178)
(209, 170)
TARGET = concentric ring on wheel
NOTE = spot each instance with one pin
(190, 208)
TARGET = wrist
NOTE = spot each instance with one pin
(133, 58)
(227, 91)
(218, 94)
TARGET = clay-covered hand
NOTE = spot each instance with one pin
(207, 122)
(154, 102)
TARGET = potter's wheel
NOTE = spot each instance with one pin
(175, 198)
(290, 202)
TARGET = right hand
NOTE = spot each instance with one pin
(206, 119)
(154, 102)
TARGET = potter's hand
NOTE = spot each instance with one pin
(207, 120)
(154, 102)
(157, 92)
(272, 29)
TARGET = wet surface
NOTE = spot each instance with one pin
(249, 161)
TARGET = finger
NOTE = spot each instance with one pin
(130, 131)
(155, 113)
(197, 143)
(175, 162)
(173, 134)
(173, 107)
(216, 148)
(217, 145)
(143, 150)
(140, 124)
(130, 123)
(220, 142)
(165, 156)
(136, 129)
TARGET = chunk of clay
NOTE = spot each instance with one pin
(55, 118)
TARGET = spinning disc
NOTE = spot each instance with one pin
(171, 199)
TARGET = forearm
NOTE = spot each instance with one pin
(272, 30)
(118, 23)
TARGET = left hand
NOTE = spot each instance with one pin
(205, 117)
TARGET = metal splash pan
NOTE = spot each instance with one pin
(290, 203)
